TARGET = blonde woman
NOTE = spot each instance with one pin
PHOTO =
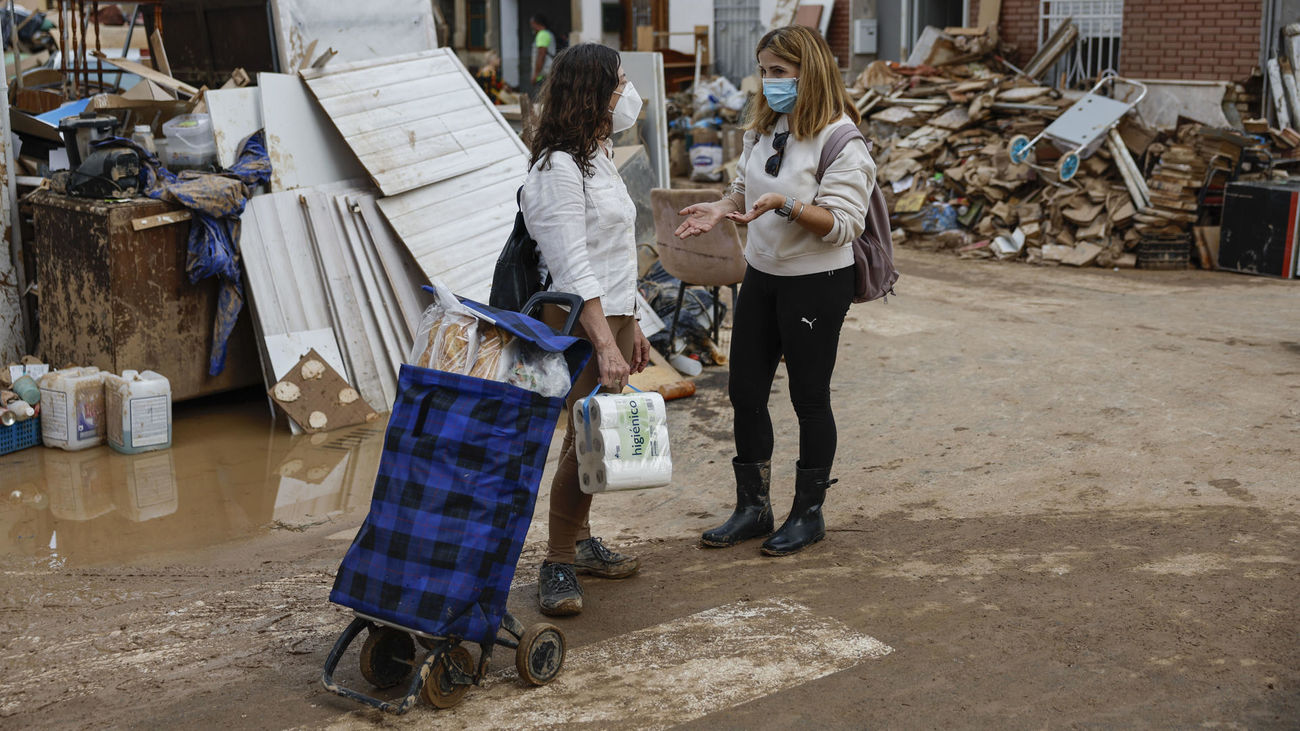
(799, 282)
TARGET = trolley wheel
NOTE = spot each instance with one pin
(540, 654)
(1019, 149)
(1067, 166)
(439, 690)
(387, 656)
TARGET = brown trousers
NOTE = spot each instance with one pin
(570, 506)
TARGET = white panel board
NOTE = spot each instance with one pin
(646, 72)
(413, 120)
(236, 114)
(455, 228)
(305, 148)
(356, 31)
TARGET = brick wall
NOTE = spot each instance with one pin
(1191, 39)
(837, 33)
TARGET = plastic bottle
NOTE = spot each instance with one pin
(72, 402)
(142, 135)
(21, 410)
(138, 411)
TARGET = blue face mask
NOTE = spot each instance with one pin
(781, 94)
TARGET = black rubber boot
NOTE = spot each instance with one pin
(753, 515)
(805, 525)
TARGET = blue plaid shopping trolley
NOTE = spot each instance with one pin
(433, 561)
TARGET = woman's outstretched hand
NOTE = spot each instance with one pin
(766, 202)
(701, 218)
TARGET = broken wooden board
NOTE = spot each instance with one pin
(389, 28)
(413, 120)
(317, 398)
(144, 72)
(305, 148)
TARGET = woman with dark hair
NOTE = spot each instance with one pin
(799, 282)
(582, 218)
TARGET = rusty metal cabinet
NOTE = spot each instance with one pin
(117, 298)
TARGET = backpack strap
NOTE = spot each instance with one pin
(836, 143)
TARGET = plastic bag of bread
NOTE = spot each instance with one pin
(448, 335)
(492, 342)
(423, 347)
(456, 343)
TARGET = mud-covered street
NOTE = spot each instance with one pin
(1066, 498)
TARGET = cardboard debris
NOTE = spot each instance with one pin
(317, 398)
(942, 130)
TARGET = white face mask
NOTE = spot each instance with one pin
(627, 108)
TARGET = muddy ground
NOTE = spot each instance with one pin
(1067, 499)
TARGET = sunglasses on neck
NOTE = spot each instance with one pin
(773, 165)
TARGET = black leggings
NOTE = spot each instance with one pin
(800, 318)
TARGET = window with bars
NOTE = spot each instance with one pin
(1100, 24)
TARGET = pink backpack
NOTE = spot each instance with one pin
(873, 251)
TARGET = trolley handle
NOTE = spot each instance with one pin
(1112, 77)
(567, 299)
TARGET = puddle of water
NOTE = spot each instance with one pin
(230, 472)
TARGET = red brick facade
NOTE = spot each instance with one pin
(1190, 39)
(837, 32)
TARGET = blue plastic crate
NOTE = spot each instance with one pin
(22, 435)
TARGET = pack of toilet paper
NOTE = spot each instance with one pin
(622, 442)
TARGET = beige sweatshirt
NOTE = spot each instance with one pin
(779, 247)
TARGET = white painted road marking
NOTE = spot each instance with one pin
(664, 675)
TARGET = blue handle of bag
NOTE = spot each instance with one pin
(586, 412)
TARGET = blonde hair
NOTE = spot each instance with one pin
(822, 98)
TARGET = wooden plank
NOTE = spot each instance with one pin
(382, 300)
(385, 112)
(361, 101)
(338, 81)
(144, 72)
(360, 339)
(460, 191)
(403, 272)
(412, 175)
(162, 219)
(305, 148)
(159, 52)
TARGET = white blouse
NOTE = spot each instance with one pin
(585, 229)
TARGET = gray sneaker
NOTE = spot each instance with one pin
(595, 559)
(558, 591)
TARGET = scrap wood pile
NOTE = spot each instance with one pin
(942, 131)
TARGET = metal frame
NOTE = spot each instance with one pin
(1096, 20)
(1074, 146)
(441, 646)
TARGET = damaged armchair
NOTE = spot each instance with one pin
(714, 259)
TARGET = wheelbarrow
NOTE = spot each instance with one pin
(1082, 128)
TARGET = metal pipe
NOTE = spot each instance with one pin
(13, 39)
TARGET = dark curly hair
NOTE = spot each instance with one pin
(575, 104)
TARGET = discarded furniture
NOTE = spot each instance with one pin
(1261, 225)
(714, 259)
(118, 298)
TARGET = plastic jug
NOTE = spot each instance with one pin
(72, 408)
(191, 143)
(138, 411)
